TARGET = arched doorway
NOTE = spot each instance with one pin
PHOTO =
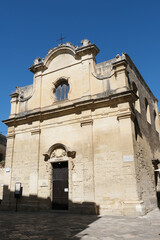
(59, 156)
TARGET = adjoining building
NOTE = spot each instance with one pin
(83, 136)
(3, 142)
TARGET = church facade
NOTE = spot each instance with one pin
(84, 136)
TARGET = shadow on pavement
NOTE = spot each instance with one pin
(36, 220)
(43, 225)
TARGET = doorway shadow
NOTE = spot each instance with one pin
(158, 199)
(156, 163)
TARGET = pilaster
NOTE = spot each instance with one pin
(120, 71)
(33, 184)
(14, 102)
(88, 169)
(7, 191)
(132, 205)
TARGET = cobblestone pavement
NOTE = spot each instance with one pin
(58, 226)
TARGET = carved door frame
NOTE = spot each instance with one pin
(60, 153)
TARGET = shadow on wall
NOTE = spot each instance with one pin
(157, 181)
(58, 224)
(156, 163)
(34, 203)
(158, 199)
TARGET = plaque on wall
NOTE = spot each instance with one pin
(128, 158)
(43, 183)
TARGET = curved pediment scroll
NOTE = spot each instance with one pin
(99, 77)
(67, 48)
(58, 151)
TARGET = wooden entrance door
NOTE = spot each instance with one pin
(60, 185)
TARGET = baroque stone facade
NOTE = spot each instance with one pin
(83, 136)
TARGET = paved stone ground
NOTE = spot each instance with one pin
(64, 226)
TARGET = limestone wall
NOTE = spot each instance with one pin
(97, 175)
(109, 121)
(146, 141)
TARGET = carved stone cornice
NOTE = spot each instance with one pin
(122, 62)
(70, 107)
(90, 48)
(14, 95)
(35, 131)
(38, 67)
(125, 115)
(87, 122)
(10, 135)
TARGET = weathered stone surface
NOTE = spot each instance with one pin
(107, 129)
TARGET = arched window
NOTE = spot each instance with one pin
(156, 117)
(137, 103)
(148, 116)
(156, 120)
(62, 90)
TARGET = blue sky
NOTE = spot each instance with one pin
(29, 28)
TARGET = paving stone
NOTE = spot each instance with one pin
(64, 226)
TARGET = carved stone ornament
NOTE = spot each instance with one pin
(85, 42)
(37, 60)
(58, 151)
